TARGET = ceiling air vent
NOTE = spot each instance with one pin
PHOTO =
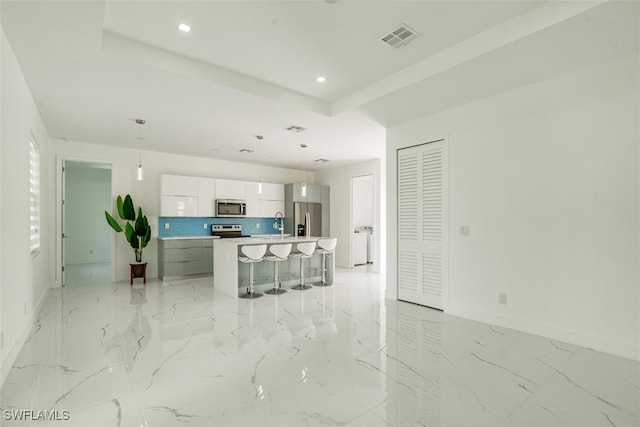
(246, 150)
(400, 36)
(294, 128)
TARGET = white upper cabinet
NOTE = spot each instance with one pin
(206, 197)
(272, 191)
(177, 185)
(269, 208)
(230, 189)
(253, 199)
(195, 196)
(271, 200)
(178, 206)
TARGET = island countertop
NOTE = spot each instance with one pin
(275, 238)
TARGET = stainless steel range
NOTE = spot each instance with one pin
(226, 231)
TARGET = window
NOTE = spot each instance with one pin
(34, 196)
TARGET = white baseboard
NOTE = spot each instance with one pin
(583, 339)
(87, 261)
(12, 355)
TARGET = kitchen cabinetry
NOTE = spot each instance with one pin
(178, 206)
(271, 200)
(272, 191)
(206, 197)
(253, 199)
(181, 257)
(314, 193)
(269, 208)
(191, 196)
(231, 189)
(178, 195)
(178, 185)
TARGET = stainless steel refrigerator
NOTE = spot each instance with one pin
(307, 219)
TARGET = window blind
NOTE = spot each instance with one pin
(34, 196)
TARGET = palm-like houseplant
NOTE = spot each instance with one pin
(136, 229)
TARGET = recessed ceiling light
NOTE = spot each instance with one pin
(321, 79)
(184, 27)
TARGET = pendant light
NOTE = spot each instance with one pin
(139, 170)
(303, 186)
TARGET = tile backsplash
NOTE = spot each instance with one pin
(195, 226)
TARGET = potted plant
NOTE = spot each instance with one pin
(136, 230)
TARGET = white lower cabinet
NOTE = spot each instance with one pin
(178, 206)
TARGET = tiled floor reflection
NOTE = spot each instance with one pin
(178, 353)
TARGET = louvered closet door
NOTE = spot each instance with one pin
(422, 224)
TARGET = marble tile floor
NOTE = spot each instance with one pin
(97, 273)
(179, 353)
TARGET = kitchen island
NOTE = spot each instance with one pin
(232, 277)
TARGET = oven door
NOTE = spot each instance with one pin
(231, 208)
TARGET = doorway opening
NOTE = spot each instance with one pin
(363, 219)
(86, 238)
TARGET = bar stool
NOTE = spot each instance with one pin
(278, 253)
(304, 250)
(252, 254)
(325, 247)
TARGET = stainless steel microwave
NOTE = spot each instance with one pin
(231, 208)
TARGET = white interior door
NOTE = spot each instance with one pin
(422, 224)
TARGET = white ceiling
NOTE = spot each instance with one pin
(248, 68)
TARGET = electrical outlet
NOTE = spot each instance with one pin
(257, 225)
(204, 226)
(465, 230)
(502, 299)
(167, 225)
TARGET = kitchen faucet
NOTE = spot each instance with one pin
(280, 224)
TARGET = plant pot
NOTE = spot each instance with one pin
(138, 270)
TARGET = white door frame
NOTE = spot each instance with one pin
(60, 160)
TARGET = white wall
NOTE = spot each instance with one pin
(363, 202)
(87, 196)
(24, 278)
(339, 179)
(147, 193)
(547, 178)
